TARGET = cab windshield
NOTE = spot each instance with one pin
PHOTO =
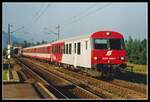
(111, 44)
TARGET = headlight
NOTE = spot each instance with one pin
(108, 33)
(95, 58)
(122, 58)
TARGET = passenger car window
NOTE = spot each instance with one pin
(67, 49)
(74, 47)
(70, 48)
(79, 48)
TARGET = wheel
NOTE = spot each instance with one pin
(109, 75)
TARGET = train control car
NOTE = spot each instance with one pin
(102, 50)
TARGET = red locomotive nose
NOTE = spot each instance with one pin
(107, 48)
(108, 57)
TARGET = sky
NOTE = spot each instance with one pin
(41, 19)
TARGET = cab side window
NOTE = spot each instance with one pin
(86, 44)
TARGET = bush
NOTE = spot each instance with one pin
(136, 51)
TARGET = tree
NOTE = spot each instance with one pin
(32, 44)
(143, 53)
(15, 43)
(136, 50)
(129, 44)
(26, 44)
(37, 43)
(43, 42)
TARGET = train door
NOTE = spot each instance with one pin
(75, 55)
(84, 52)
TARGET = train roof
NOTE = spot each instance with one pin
(72, 38)
(43, 45)
(106, 34)
(98, 34)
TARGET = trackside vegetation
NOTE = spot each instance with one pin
(136, 51)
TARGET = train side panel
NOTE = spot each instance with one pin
(80, 53)
(67, 57)
(41, 52)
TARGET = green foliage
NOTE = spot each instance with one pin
(43, 42)
(5, 71)
(136, 50)
(38, 43)
(28, 44)
(16, 43)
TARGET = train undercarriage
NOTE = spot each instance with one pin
(109, 71)
(103, 71)
(100, 70)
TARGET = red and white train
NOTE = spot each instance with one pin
(104, 50)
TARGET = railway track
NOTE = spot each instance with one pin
(101, 88)
(65, 88)
(122, 83)
(27, 73)
(42, 87)
(126, 84)
(112, 88)
(132, 86)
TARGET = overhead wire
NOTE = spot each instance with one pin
(34, 16)
(75, 18)
(89, 13)
(42, 12)
(38, 14)
(38, 11)
(81, 13)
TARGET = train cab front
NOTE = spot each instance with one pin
(108, 50)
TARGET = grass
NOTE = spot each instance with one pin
(140, 69)
(5, 71)
(132, 77)
(138, 75)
